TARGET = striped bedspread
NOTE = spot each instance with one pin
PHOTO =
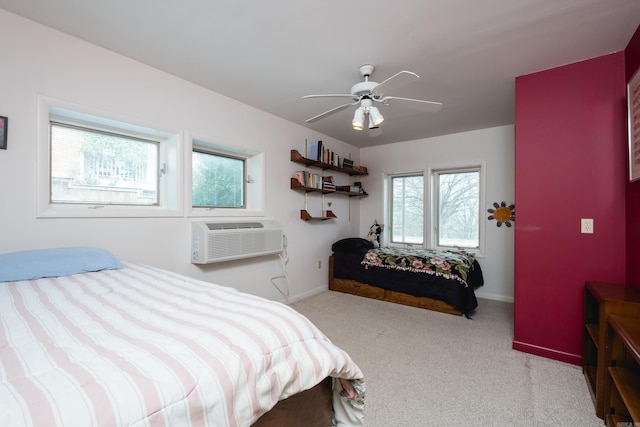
(143, 346)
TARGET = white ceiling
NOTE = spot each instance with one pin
(270, 53)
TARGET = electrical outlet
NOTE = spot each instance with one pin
(319, 264)
(586, 225)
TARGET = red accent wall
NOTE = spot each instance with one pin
(632, 63)
(570, 163)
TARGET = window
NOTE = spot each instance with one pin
(90, 165)
(217, 181)
(457, 208)
(94, 167)
(438, 209)
(407, 209)
(225, 181)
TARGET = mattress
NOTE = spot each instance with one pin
(420, 282)
(142, 346)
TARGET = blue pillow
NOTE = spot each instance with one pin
(28, 265)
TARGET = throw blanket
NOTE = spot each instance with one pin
(450, 265)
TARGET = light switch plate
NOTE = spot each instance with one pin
(586, 225)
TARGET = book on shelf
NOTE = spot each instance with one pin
(347, 163)
(327, 183)
(308, 179)
(300, 176)
(329, 186)
(315, 151)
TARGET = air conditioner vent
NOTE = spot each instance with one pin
(224, 241)
(233, 225)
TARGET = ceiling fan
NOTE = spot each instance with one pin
(368, 92)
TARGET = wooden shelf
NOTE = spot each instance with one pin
(307, 216)
(298, 158)
(591, 373)
(628, 331)
(602, 300)
(296, 185)
(627, 384)
(623, 357)
(593, 332)
(614, 421)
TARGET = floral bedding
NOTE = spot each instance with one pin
(449, 265)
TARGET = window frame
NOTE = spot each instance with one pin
(170, 188)
(226, 156)
(431, 206)
(254, 179)
(432, 220)
(389, 198)
(95, 130)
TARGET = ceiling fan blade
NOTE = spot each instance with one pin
(328, 113)
(394, 82)
(330, 95)
(415, 104)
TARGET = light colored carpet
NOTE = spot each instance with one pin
(424, 368)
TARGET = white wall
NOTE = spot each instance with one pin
(495, 146)
(39, 60)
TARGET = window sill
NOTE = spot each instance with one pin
(223, 212)
(107, 211)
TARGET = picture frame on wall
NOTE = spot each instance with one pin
(4, 127)
(633, 106)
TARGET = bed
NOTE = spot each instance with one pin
(435, 280)
(88, 340)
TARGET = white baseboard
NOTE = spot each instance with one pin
(494, 297)
(304, 295)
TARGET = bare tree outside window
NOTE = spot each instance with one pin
(407, 207)
(455, 201)
(458, 203)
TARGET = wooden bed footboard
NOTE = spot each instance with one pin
(362, 289)
(310, 408)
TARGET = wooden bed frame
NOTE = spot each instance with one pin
(310, 408)
(362, 289)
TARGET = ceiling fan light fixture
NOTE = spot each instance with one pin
(365, 93)
(375, 117)
(358, 119)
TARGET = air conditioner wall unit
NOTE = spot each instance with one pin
(224, 241)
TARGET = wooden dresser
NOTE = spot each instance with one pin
(602, 300)
(622, 389)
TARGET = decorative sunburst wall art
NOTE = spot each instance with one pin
(502, 213)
